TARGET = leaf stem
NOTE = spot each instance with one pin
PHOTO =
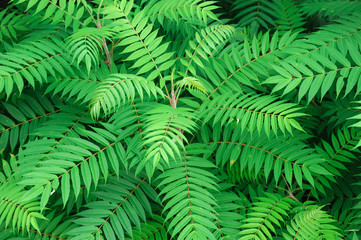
(104, 42)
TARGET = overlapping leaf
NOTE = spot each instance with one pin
(16, 213)
(183, 15)
(247, 152)
(71, 160)
(10, 24)
(326, 67)
(67, 11)
(194, 11)
(22, 119)
(253, 12)
(30, 63)
(122, 203)
(140, 41)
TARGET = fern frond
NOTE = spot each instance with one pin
(83, 88)
(192, 83)
(152, 230)
(163, 132)
(245, 67)
(342, 148)
(20, 214)
(53, 231)
(31, 62)
(67, 11)
(317, 80)
(181, 17)
(265, 216)
(287, 15)
(139, 39)
(338, 153)
(229, 213)
(186, 187)
(253, 112)
(48, 156)
(84, 163)
(85, 45)
(342, 111)
(315, 71)
(330, 9)
(120, 204)
(205, 42)
(253, 152)
(11, 24)
(193, 11)
(118, 89)
(344, 208)
(257, 120)
(22, 118)
(311, 223)
(253, 12)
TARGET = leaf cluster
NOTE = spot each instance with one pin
(188, 119)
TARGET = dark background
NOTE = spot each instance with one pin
(3, 3)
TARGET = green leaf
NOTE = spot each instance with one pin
(65, 188)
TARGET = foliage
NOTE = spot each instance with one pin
(188, 119)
